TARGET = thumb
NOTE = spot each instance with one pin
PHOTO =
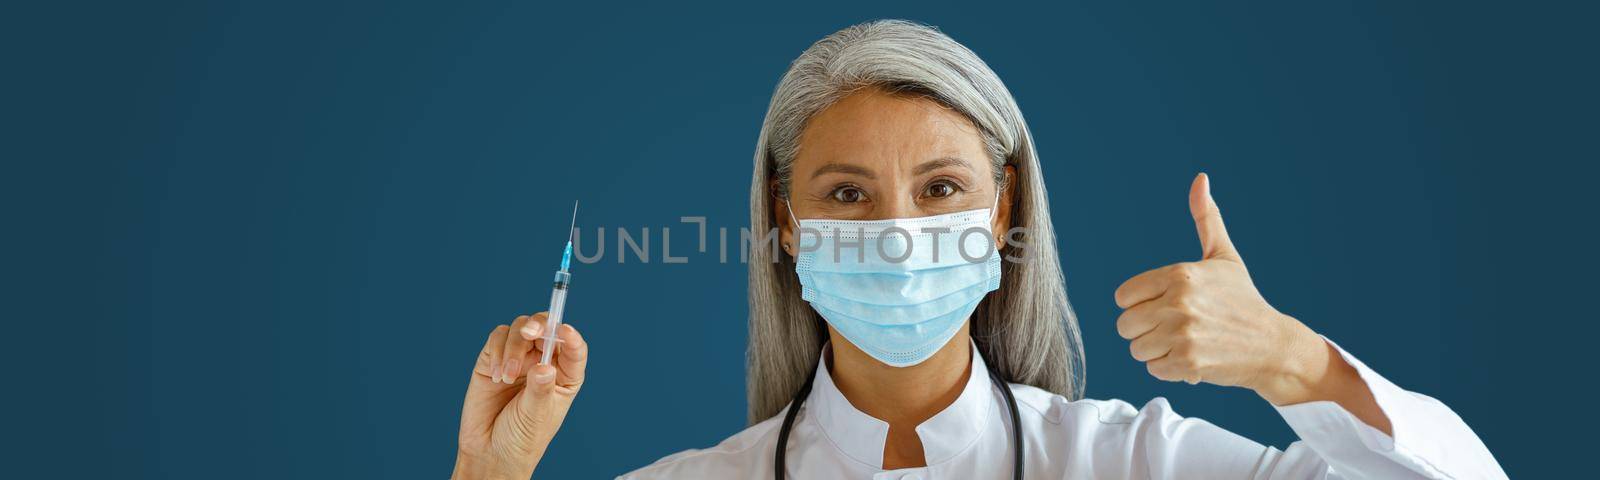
(536, 394)
(1214, 242)
(538, 410)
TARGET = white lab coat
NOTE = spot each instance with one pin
(1099, 439)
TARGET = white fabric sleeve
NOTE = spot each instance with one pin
(1430, 440)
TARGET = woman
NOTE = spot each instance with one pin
(872, 357)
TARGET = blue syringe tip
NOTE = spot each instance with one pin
(566, 257)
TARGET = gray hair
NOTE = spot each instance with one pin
(1025, 330)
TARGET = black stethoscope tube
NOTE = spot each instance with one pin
(778, 463)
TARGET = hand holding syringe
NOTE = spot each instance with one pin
(498, 397)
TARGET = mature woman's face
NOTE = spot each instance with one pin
(874, 155)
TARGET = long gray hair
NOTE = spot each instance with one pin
(1026, 330)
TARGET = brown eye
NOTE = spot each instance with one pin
(847, 195)
(941, 190)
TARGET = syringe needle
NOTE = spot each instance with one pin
(574, 226)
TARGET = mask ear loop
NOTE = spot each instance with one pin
(793, 220)
(998, 189)
(995, 210)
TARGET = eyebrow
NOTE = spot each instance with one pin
(925, 167)
(843, 168)
(939, 163)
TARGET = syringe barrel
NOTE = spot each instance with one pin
(558, 306)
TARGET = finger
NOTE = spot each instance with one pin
(1153, 345)
(1143, 287)
(484, 397)
(1137, 321)
(572, 356)
(1168, 369)
(493, 357)
(534, 327)
(534, 333)
(489, 359)
(515, 351)
(1214, 241)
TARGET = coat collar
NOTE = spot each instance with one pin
(945, 435)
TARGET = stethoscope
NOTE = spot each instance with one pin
(805, 390)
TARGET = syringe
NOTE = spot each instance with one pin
(558, 295)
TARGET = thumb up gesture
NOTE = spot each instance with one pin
(1204, 321)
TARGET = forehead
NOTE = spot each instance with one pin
(876, 128)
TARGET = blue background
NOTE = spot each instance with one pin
(266, 240)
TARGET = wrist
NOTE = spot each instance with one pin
(1302, 371)
(473, 467)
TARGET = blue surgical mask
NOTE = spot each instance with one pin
(898, 289)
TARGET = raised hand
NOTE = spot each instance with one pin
(1205, 321)
(508, 418)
